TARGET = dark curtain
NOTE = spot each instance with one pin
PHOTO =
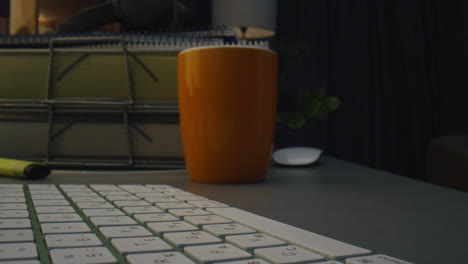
(399, 67)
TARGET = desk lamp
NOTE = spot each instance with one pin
(252, 19)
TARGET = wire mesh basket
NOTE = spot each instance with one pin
(95, 105)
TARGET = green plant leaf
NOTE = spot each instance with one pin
(312, 107)
(318, 93)
(293, 120)
(331, 103)
(296, 120)
(282, 118)
(296, 106)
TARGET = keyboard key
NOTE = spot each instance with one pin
(72, 240)
(181, 239)
(87, 199)
(76, 188)
(113, 193)
(82, 194)
(185, 198)
(166, 257)
(44, 192)
(13, 206)
(320, 244)
(165, 199)
(134, 188)
(13, 186)
(150, 194)
(54, 209)
(158, 217)
(249, 261)
(228, 229)
(16, 235)
(12, 200)
(59, 218)
(12, 194)
(42, 187)
(251, 241)
(15, 223)
(187, 212)
(140, 245)
(215, 253)
(18, 251)
(47, 197)
(158, 186)
(121, 204)
(207, 204)
(174, 192)
(14, 190)
(102, 212)
(50, 202)
(14, 214)
(376, 259)
(63, 228)
(287, 254)
(124, 231)
(206, 219)
(174, 205)
(91, 255)
(96, 205)
(104, 187)
(122, 198)
(73, 187)
(21, 262)
(170, 189)
(83, 190)
(142, 209)
(173, 189)
(112, 220)
(175, 226)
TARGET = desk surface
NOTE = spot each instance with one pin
(386, 213)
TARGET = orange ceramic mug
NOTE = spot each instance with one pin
(227, 104)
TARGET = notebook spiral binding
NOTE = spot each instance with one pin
(193, 36)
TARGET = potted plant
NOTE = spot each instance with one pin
(296, 107)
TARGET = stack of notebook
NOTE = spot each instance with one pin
(96, 99)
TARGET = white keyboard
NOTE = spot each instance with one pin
(142, 224)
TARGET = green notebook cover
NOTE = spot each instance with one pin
(24, 75)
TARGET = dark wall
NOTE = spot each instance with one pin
(399, 68)
(200, 12)
(4, 8)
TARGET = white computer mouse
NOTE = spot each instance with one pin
(296, 156)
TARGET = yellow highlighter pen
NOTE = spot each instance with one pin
(23, 169)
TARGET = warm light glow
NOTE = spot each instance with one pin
(254, 33)
(258, 17)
